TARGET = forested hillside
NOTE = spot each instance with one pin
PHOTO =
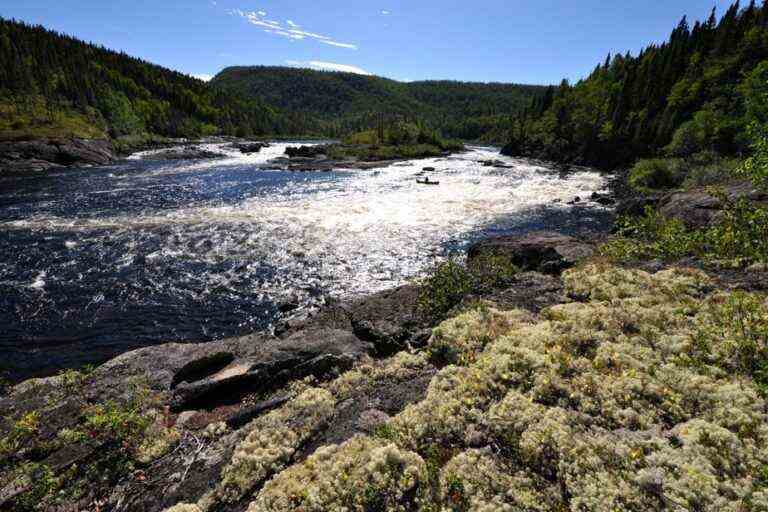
(344, 103)
(53, 84)
(686, 96)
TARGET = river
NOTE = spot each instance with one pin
(98, 261)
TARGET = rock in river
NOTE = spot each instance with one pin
(541, 251)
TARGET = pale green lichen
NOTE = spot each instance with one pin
(585, 396)
(647, 394)
(273, 441)
(183, 507)
(477, 481)
(156, 442)
(402, 367)
(460, 339)
(360, 475)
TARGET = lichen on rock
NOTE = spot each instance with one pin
(358, 475)
(273, 440)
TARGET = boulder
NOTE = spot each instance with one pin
(602, 199)
(531, 291)
(635, 206)
(248, 148)
(698, 208)
(542, 251)
(390, 319)
(305, 151)
(185, 153)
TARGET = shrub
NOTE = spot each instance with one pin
(707, 131)
(739, 235)
(448, 283)
(655, 174)
(755, 168)
(445, 286)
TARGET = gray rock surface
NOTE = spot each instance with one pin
(698, 208)
(185, 153)
(541, 251)
(44, 154)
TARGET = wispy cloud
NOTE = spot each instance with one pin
(340, 45)
(386, 13)
(329, 66)
(291, 30)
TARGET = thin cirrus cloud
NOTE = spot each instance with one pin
(290, 30)
(329, 66)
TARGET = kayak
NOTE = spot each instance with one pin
(422, 182)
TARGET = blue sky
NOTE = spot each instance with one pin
(523, 41)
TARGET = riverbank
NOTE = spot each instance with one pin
(566, 358)
(554, 355)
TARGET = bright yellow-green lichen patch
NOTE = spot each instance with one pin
(460, 339)
(601, 397)
(360, 475)
(158, 439)
(273, 440)
(183, 507)
(477, 481)
(403, 366)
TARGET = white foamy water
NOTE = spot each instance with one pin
(350, 233)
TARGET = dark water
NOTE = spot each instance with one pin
(95, 262)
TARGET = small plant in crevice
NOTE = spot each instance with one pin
(449, 282)
(735, 337)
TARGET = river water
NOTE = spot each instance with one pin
(95, 262)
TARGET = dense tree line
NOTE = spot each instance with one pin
(343, 103)
(125, 94)
(678, 98)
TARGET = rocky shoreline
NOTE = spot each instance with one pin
(201, 404)
(224, 425)
(46, 154)
(236, 380)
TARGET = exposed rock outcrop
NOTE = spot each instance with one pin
(248, 148)
(44, 154)
(697, 208)
(542, 251)
(184, 153)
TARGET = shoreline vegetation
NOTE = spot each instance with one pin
(624, 372)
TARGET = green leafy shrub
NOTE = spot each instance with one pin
(755, 167)
(21, 433)
(448, 283)
(708, 168)
(655, 174)
(709, 130)
(445, 286)
(739, 235)
(734, 336)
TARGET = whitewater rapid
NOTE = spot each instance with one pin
(149, 251)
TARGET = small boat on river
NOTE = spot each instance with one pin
(427, 181)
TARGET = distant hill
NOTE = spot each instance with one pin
(52, 84)
(347, 102)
